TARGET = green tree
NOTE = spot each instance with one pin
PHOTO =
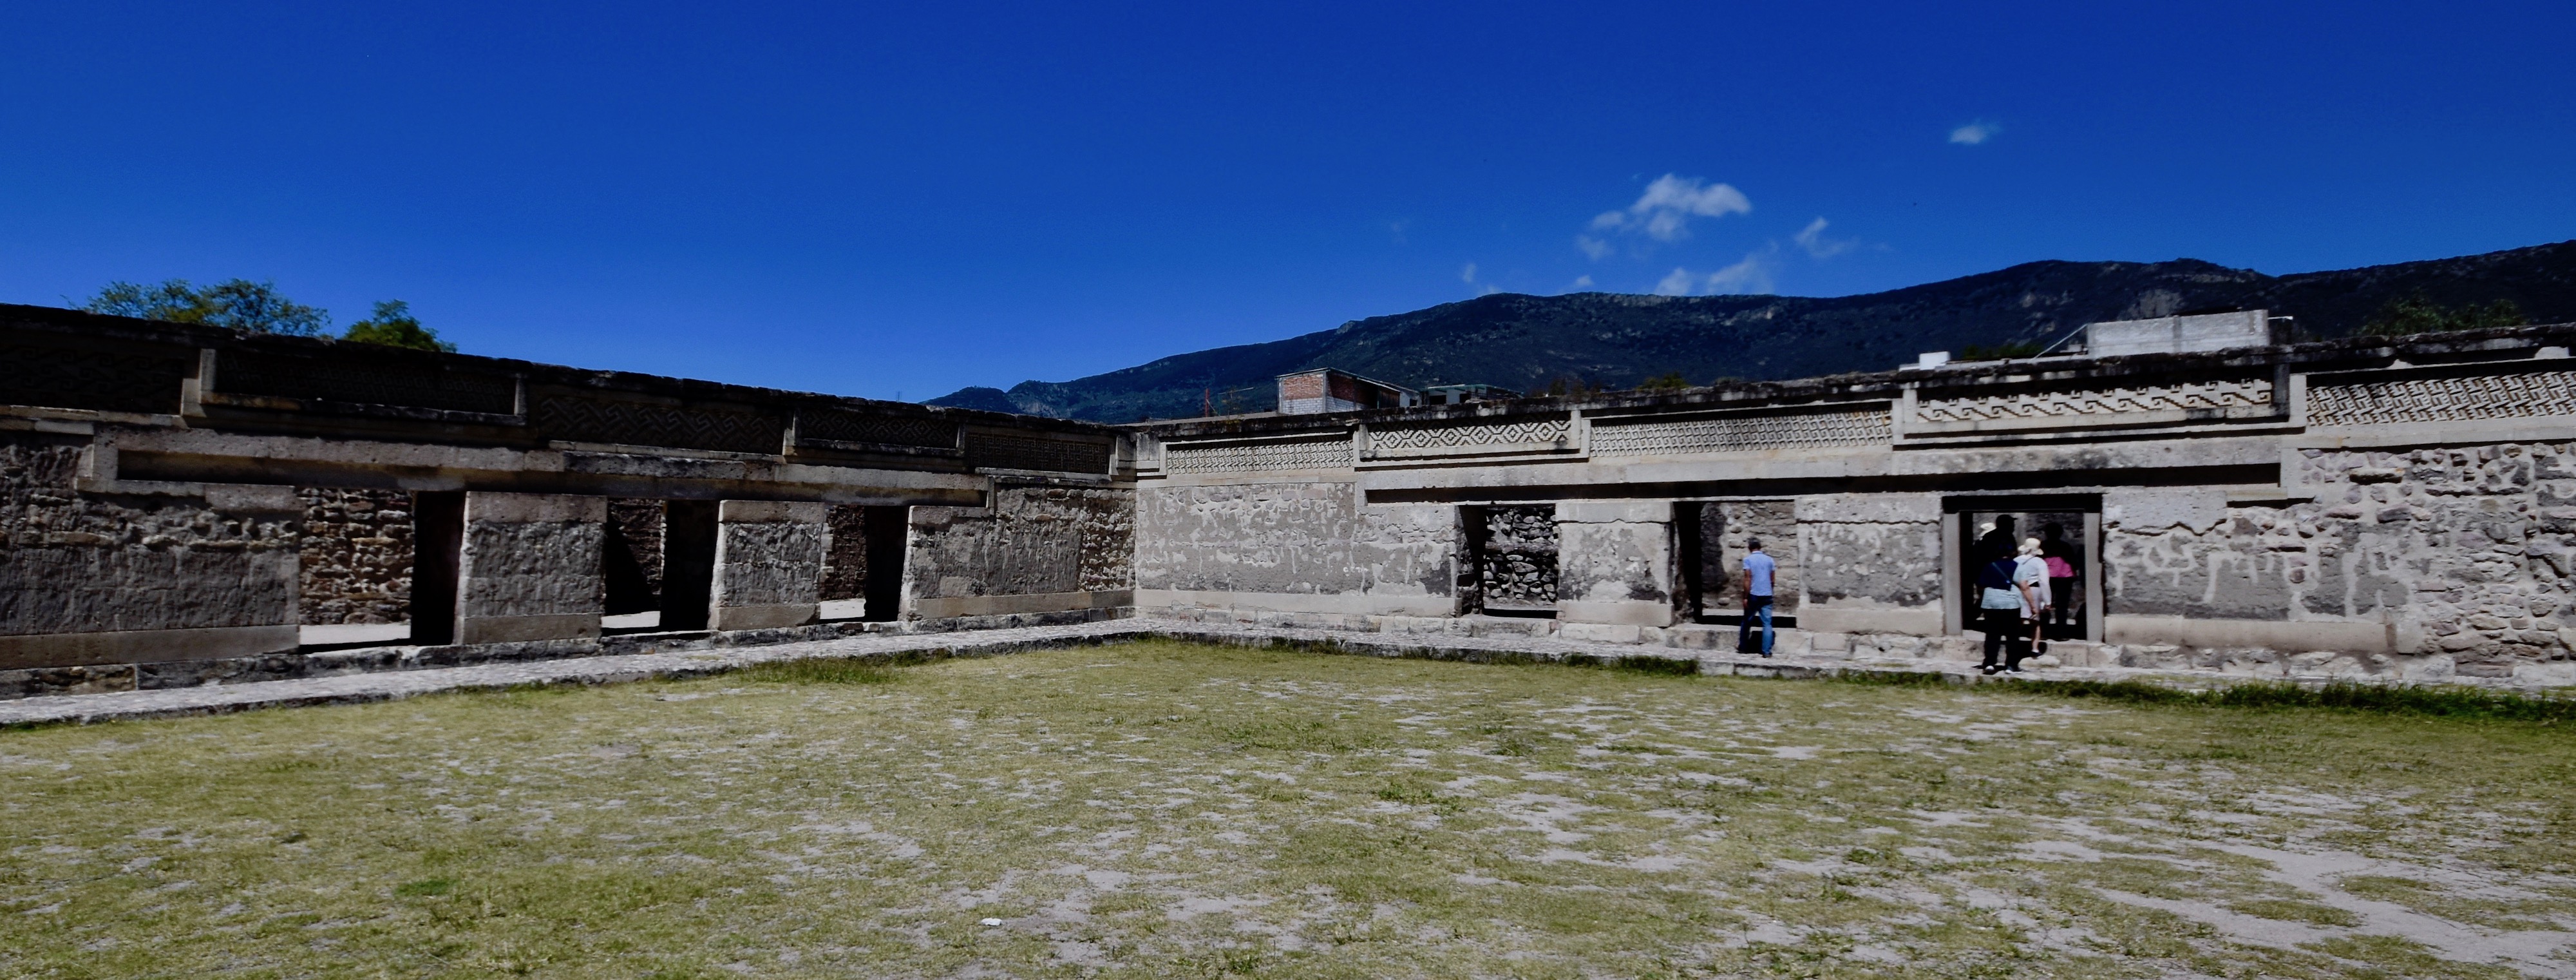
(1668, 381)
(237, 304)
(2417, 313)
(394, 326)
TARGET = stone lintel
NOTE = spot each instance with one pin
(533, 508)
(771, 512)
(1615, 512)
(143, 646)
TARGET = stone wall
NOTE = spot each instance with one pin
(1054, 547)
(2185, 552)
(93, 563)
(769, 564)
(1870, 562)
(355, 556)
(1312, 546)
(531, 567)
(1615, 563)
(1738, 522)
(1516, 557)
(845, 563)
(2470, 552)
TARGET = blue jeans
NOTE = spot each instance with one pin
(1755, 605)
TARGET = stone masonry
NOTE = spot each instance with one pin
(355, 556)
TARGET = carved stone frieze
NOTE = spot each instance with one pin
(839, 425)
(365, 382)
(1739, 432)
(2491, 396)
(1470, 439)
(988, 450)
(1304, 454)
(576, 418)
(2189, 396)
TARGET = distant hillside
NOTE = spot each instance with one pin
(1615, 340)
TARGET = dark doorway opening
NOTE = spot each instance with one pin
(1711, 546)
(1514, 551)
(438, 555)
(889, 534)
(688, 563)
(2069, 526)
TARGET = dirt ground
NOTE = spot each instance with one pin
(1161, 809)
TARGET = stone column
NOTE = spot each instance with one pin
(530, 568)
(769, 564)
(1615, 564)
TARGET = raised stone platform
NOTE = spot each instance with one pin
(703, 657)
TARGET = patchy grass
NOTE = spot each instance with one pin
(1164, 809)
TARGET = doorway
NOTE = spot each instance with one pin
(2069, 529)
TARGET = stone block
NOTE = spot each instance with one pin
(1598, 632)
(531, 568)
(1614, 512)
(1870, 508)
(769, 565)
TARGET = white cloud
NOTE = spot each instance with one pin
(1467, 274)
(1975, 132)
(1664, 211)
(1753, 275)
(1581, 282)
(1677, 284)
(1594, 247)
(1813, 239)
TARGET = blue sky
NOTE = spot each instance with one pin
(884, 200)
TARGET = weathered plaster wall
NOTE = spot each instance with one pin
(1870, 551)
(1031, 541)
(355, 556)
(1740, 521)
(88, 563)
(2185, 552)
(1615, 562)
(1312, 539)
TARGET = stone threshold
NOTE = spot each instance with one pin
(387, 685)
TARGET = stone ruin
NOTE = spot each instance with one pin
(187, 505)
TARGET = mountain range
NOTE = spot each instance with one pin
(1613, 340)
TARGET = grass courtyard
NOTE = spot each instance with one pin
(1162, 809)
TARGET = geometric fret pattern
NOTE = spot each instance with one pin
(1849, 428)
(842, 425)
(63, 377)
(573, 418)
(1257, 457)
(1004, 452)
(378, 383)
(1425, 440)
(2444, 399)
(2249, 393)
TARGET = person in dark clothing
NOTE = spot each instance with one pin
(1999, 540)
(2000, 607)
(2061, 558)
